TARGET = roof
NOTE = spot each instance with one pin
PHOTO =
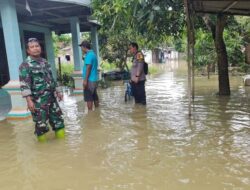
(77, 2)
(55, 14)
(236, 7)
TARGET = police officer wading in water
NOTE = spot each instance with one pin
(138, 77)
(41, 92)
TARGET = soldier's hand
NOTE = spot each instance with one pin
(59, 96)
(31, 105)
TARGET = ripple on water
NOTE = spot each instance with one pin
(124, 146)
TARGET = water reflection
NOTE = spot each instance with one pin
(73, 130)
(124, 146)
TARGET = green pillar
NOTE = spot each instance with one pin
(94, 40)
(77, 54)
(14, 58)
(95, 44)
(11, 36)
(50, 52)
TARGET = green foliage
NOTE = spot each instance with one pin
(65, 39)
(114, 48)
(85, 36)
(60, 42)
(67, 80)
(66, 72)
(142, 21)
(204, 48)
(153, 69)
(155, 19)
(242, 26)
(67, 68)
(245, 68)
(107, 66)
(158, 23)
(55, 42)
(205, 52)
(234, 44)
(180, 42)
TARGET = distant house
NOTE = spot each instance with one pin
(22, 19)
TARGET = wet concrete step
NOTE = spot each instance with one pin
(5, 104)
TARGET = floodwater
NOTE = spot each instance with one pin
(121, 146)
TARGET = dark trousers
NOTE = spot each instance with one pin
(138, 91)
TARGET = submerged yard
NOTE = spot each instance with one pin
(123, 146)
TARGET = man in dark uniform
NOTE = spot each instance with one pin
(41, 92)
(138, 77)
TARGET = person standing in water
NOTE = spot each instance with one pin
(138, 77)
(41, 92)
(90, 76)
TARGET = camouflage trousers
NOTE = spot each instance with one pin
(47, 109)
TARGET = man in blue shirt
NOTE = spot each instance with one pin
(90, 75)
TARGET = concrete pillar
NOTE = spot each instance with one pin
(77, 54)
(48, 43)
(11, 36)
(14, 58)
(94, 40)
(50, 52)
(95, 44)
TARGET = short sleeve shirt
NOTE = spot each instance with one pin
(91, 59)
(138, 64)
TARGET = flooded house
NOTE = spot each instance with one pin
(22, 19)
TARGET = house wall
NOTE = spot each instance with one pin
(4, 69)
(44, 36)
(26, 31)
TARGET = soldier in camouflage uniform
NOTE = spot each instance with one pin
(41, 92)
(138, 77)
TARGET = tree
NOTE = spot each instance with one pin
(151, 22)
(228, 50)
(205, 55)
(60, 41)
(217, 25)
(147, 22)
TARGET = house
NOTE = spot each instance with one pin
(22, 19)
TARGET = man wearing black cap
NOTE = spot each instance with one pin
(90, 76)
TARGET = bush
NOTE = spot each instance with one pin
(153, 69)
(245, 68)
(106, 66)
(66, 72)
